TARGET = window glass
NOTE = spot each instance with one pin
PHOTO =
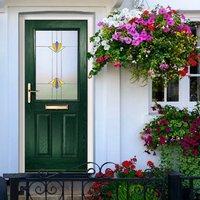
(173, 91)
(157, 92)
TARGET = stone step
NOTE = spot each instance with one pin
(54, 197)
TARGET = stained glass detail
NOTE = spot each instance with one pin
(56, 82)
(57, 47)
(56, 64)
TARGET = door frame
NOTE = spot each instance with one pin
(90, 90)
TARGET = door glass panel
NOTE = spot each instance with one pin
(56, 65)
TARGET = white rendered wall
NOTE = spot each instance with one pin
(177, 4)
(120, 107)
(106, 128)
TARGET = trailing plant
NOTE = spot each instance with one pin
(157, 44)
(175, 133)
(170, 127)
(174, 126)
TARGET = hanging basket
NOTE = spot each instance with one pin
(158, 44)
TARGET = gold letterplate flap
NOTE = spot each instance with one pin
(57, 107)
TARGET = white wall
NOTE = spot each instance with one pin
(121, 107)
(10, 98)
(177, 4)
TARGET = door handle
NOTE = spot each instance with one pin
(30, 92)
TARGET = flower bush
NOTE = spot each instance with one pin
(174, 126)
(107, 189)
(157, 44)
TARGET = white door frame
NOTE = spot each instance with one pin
(53, 16)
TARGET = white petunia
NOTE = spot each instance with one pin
(106, 47)
(125, 10)
(104, 42)
(97, 39)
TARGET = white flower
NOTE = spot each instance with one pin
(106, 47)
(134, 61)
(104, 42)
(120, 17)
(125, 10)
(97, 39)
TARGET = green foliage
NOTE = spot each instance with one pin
(132, 191)
(174, 159)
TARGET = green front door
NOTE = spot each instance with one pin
(56, 95)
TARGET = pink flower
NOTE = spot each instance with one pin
(170, 22)
(136, 42)
(151, 73)
(116, 36)
(135, 35)
(164, 66)
(100, 23)
(162, 11)
(147, 138)
(127, 40)
(128, 26)
(166, 29)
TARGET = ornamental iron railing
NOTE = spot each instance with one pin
(93, 186)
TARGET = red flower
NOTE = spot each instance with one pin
(146, 13)
(117, 64)
(99, 175)
(183, 72)
(150, 164)
(127, 164)
(162, 140)
(132, 20)
(151, 27)
(102, 59)
(139, 173)
(195, 152)
(109, 173)
(126, 171)
(193, 59)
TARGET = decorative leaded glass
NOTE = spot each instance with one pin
(56, 65)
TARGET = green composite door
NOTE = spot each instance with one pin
(56, 95)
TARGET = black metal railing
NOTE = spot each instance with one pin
(89, 186)
(183, 187)
(93, 185)
(190, 187)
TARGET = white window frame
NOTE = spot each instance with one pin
(184, 83)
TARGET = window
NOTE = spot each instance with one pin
(182, 93)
